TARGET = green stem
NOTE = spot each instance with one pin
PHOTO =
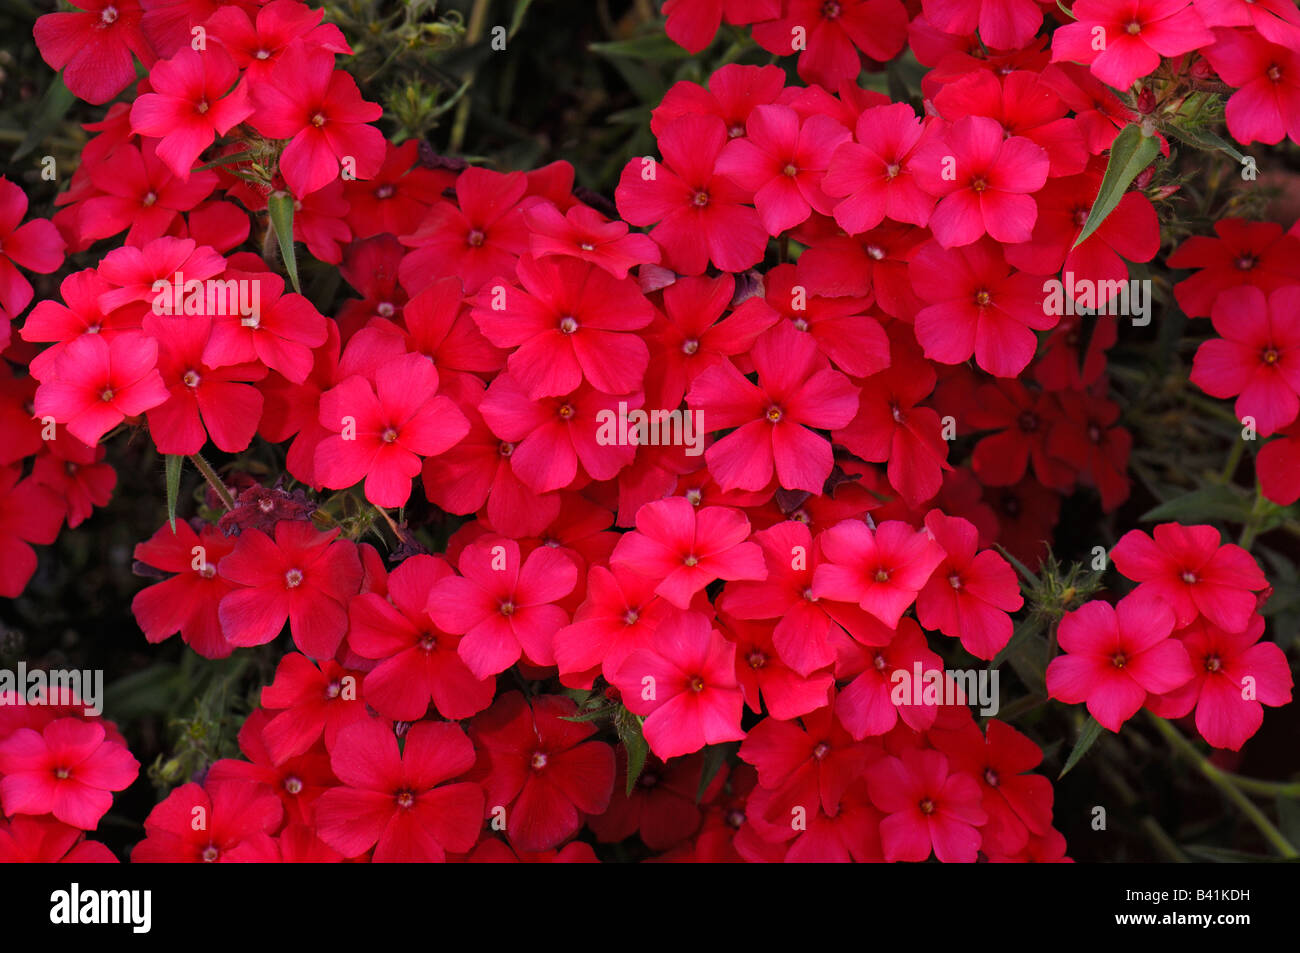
(214, 480)
(1249, 531)
(473, 33)
(1234, 459)
(1227, 787)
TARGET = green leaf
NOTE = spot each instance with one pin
(280, 207)
(594, 714)
(715, 756)
(1288, 817)
(628, 726)
(53, 106)
(1026, 630)
(174, 463)
(517, 18)
(1130, 153)
(1087, 738)
(1222, 855)
(225, 160)
(1207, 503)
(1206, 141)
(652, 46)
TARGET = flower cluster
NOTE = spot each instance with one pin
(699, 482)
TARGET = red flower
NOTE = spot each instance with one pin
(226, 822)
(541, 768)
(310, 701)
(95, 46)
(873, 175)
(502, 605)
(797, 393)
(1257, 357)
(68, 769)
(684, 686)
(701, 213)
(320, 110)
(985, 182)
(686, 549)
(381, 429)
(584, 233)
(397, 801)
(929, 808)
(187, 602)
(1244, 253)
(881, 570)
(95, 384)
(37, 246)
(303, 576)
(969, 594)
(43, 840)
(1003, 26)
(1135, 35)
(418, 663)
(1115, 655)
(832, 34)
(281, 334)
(1187, 568)
(30, 512)
(568, 324)
(191, 104)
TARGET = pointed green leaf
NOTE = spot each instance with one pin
(280, 207)
(634, 743)
(1207, 503)
(1087, 738)
(1130, 153)
(174, 464)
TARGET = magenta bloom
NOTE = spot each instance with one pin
(969, 594)
(929, 808)
(684, 685)
(686, 549)
(882, 571)
(93, 47)
(68, 769)
(37, 246)
(321, 111)
(702, 214)
(566, 325)
(418, 663)
(397, 801)
(985, 182)
(1235, 675)
(95, 384)
(1186, 567)
(782, 161)
(872, 176)
(303, 576)
(192, 103)
(1134, 35)
(1266, 106)
(1257, 357)
(380, 430)
(978, 305)
(504, 606)
(1002, 24)
(797, 393)
(1116, 655)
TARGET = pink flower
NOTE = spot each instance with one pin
(1116, 655)
(782, 159)
(37, 246)
(797, 393)
(93, 46)
(701, 213)
(684, 686)
(1257, 357)
(686, 549)
(303, 576)
(1235, 675)
(1186, 567)
(380, 430)
(584, 233)
(95, 384)
(873, 176)
(191, 104)
(398, 801)
(880, 570)
(969, 594)
(1266, 106)
(504, 605)
(1123, 40)
(68, 769)
(928, 807)
(321, 111)
(984, 180)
